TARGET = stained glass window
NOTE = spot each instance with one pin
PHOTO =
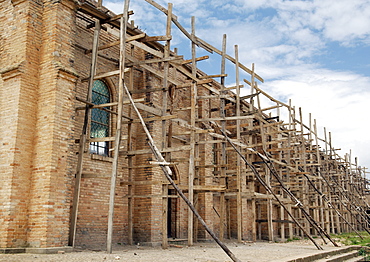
(99, 118)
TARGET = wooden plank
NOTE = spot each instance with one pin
(103, 139)
(204, 81)
(270, 108)
(212, 166)
(105, 105)
(109, 19)
(165, 150)
(185, 72)
(214, 97)
(150, 119)
(152, 61)
(196, 59)
(212, 76)
(149, 109)
(235, 126)
(156, 38)
(234, 87)
(228, 118)
(153, 70)
(205, 188)
(211, 88)
(182, 109)
(105, 75)
(269, 97)
(198, 131)
(141, 183)
(115, 43)
(150, 196)
(210, 142)
(147, 49)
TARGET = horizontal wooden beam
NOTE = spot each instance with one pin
(153, 61)
(212, 76)
(229, 118)
(115, 43)
(155, 38)
(196, 60)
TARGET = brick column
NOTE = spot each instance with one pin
(19, 49)
(49, 208)
(36, 86)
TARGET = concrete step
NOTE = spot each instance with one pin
(343, 257)
(341, 254)
(356, 259)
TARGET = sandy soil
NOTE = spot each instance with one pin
(204, 252)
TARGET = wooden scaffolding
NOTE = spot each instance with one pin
(263, 174)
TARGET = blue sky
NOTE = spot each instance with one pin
(316, 53)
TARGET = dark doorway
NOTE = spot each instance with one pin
(172, 214)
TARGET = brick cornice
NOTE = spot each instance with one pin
(17, 2)
(67, 72)
(12, 71)
(68, 3)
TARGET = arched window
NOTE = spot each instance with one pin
(99, 118)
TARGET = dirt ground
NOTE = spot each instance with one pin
(201, 252)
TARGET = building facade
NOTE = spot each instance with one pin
(45, 60)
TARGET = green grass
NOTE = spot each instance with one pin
(349, 239)
(364, 253)
(294, 238)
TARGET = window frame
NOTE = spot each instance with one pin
(100, 120)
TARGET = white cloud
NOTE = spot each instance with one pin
(338, 100)
(282, 38)
(342, 21)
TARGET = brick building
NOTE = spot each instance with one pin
(45, 58)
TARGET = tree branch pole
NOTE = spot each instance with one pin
(167, 171)
(263, 183)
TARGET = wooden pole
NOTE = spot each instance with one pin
(167, 49)
(130, 204)
(238, 168)
(193, 104)
(223, 144)
(167, 171)
(83, 138)
(269, 189)
(117, 141)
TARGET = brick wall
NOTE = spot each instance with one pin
(44, 65)
(36, 90)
